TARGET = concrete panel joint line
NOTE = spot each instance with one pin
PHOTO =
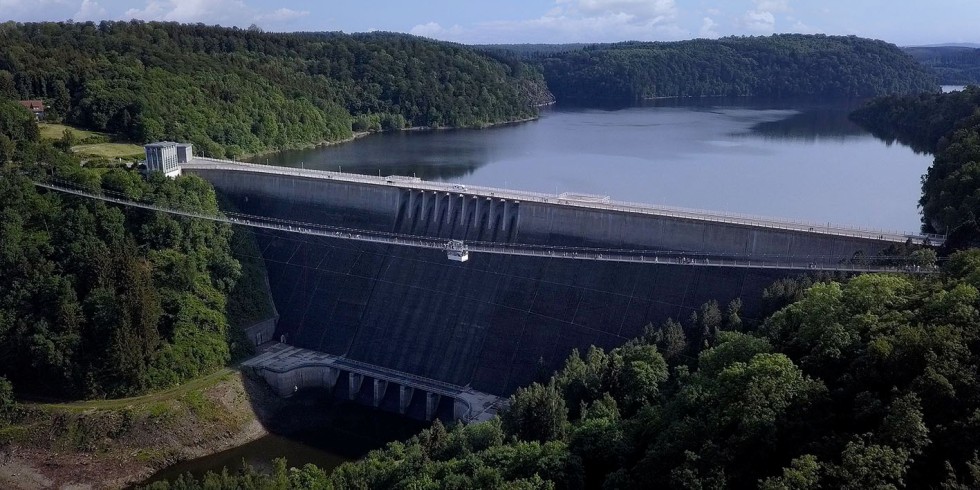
(490, 206)
(450, 213)
(380, 386)
(476, 211)
(461, 410)
(431, 405)
(354, 382)
(330, 377)
(506, 215)
(404, 398)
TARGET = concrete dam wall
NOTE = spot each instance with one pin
(460, 214)
(495, 322)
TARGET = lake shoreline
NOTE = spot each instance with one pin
(308, 146)
(123, 444)
(250, 157)
(684, 153)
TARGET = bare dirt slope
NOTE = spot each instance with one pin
(113, 443)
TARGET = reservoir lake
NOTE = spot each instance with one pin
(800, 160)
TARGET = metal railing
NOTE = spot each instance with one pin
(687, 258)
(586, 201)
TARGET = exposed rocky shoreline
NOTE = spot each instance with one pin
(86, 446)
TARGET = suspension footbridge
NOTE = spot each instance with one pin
(459, 250)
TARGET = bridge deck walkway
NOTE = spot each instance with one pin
(824, 263)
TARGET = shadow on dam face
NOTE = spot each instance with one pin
(495, 322)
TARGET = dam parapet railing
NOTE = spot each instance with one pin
(649, 256)
(578, 200)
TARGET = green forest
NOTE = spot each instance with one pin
(101, 301)
(232, 91)
(953, 65)
(865, 383)
(947, 125)
(785, 65)
(868, 382)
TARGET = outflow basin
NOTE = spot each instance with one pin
(289, 369)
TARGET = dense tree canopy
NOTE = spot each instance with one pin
(866, 383)
(234, 91)
(954, 65)
(97, 300)
(781, 65)
(230, 91)
(947, 125)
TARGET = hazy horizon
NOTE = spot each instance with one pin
(544, 21)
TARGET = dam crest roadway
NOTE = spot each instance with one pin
(589, 201)
(675, 257)
(690, 237)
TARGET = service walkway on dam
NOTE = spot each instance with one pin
(667, 257)
(288, 369)
(570, 199)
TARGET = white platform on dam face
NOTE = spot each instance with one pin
(282, 359)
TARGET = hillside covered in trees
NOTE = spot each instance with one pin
(232, 91)
(866, 383)
(954, 65)
(947, 125)
(783, 65)
(101, 301)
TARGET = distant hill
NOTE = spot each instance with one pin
(953, 64)
(948, 45)
(232, 91)
(529, 51)
(237, 91)
(784, 65)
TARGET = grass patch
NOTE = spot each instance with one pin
(202, 407)
(77, 434)
(125, 151)
(152, 455)
(161, 411)
(164, 396)
(93, 144)
(14, 434)
(52, 131)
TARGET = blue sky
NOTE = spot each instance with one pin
(903, 22)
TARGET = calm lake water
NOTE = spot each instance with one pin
(802, 160)
(325, 432)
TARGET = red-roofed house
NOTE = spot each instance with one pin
(35, 106)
